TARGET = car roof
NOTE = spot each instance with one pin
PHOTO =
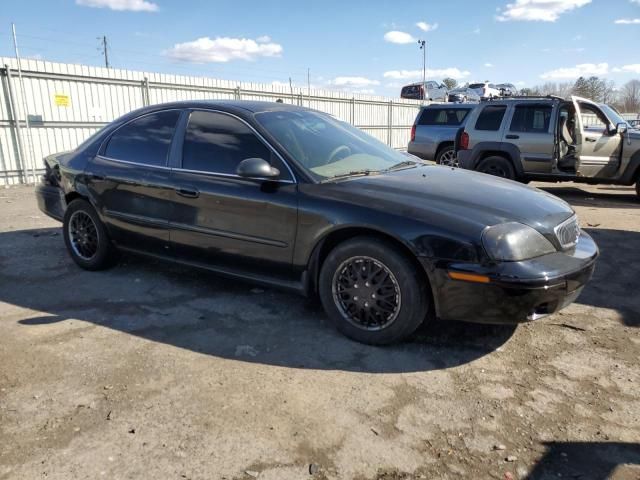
(250, 106)
(449, 105)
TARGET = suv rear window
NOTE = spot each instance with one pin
(443, 116)
(531, 118)
(491, 117)
(476, 85)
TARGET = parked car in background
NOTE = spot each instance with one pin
(434, 130)
(507, 89)
(463, 95)
(485, 89)
(548, 138)
(634, 123)
(436, 92)
(290, 197)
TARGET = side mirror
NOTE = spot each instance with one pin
(620, 128)
(256, 168)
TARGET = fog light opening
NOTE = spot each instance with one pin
(540, 311)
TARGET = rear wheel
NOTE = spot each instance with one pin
(497, 166)
(447, 156)
(372, 292)
(86, 237)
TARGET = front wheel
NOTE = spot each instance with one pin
(86, 237)
(497, 166)
(372, 292)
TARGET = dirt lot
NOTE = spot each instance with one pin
(155, 371)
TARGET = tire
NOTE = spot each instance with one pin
(446, 156)
(498, 166)
(86, 237)
(397, 279)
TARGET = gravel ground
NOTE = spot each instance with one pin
(150, 370)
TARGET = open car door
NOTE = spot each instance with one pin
(598, 143)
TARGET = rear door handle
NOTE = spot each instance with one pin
(590, 139)
(512, 137)
(188, 192)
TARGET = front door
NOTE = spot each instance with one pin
(129, 181)
(598, 144)
(221, 218)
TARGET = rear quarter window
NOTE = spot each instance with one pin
(443, 116)
(491, 117)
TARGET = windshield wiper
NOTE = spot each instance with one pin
(403, 164)
(353, 173)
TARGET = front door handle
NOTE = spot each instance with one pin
(512, 137)
(188, 192)
(590, 139)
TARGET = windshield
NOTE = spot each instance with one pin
(612, 114)
(328, 148)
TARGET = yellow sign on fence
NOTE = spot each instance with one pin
(62, 100)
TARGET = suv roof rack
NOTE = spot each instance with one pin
(519, 97)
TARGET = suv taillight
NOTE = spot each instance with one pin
(413, 133)
(464, 141)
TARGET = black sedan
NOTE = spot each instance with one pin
(293, 198)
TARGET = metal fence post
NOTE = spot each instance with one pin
(17, 136)
(145, 92)
(390, 123)
(237, 93)
(353, 110)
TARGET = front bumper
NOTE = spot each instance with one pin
(51, 201)
(517, 291)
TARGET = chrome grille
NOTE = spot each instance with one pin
(568, 232)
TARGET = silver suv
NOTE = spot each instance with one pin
(550, 138)
(434, 131)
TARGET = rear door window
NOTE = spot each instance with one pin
(491, 117)
(531, 118)
(145, 140)
(443, 116)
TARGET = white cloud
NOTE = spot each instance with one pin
(582, 70)
(488, 65)
(223, 49)
(633, 68)
(353, 82)
(538, 10)
(263, 39)
(121, 5)
(637, 2)
(426, 27)
(452, 72)
(394, 36)
(627, 21)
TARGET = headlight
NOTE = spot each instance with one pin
(514, 241)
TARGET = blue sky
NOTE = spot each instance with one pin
(353, 45)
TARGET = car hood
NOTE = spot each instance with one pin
(438, 194)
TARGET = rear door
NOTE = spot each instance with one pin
(531, 130)
(129, 181)
(598, 145)
(225, 220)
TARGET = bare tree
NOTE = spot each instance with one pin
(630, 96)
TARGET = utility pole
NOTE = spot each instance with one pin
(24, 106)
(423, 47)
(105, 50)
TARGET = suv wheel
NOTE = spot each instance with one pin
(372, 292)
(447, 156)
(498, 166)
(86, 237)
